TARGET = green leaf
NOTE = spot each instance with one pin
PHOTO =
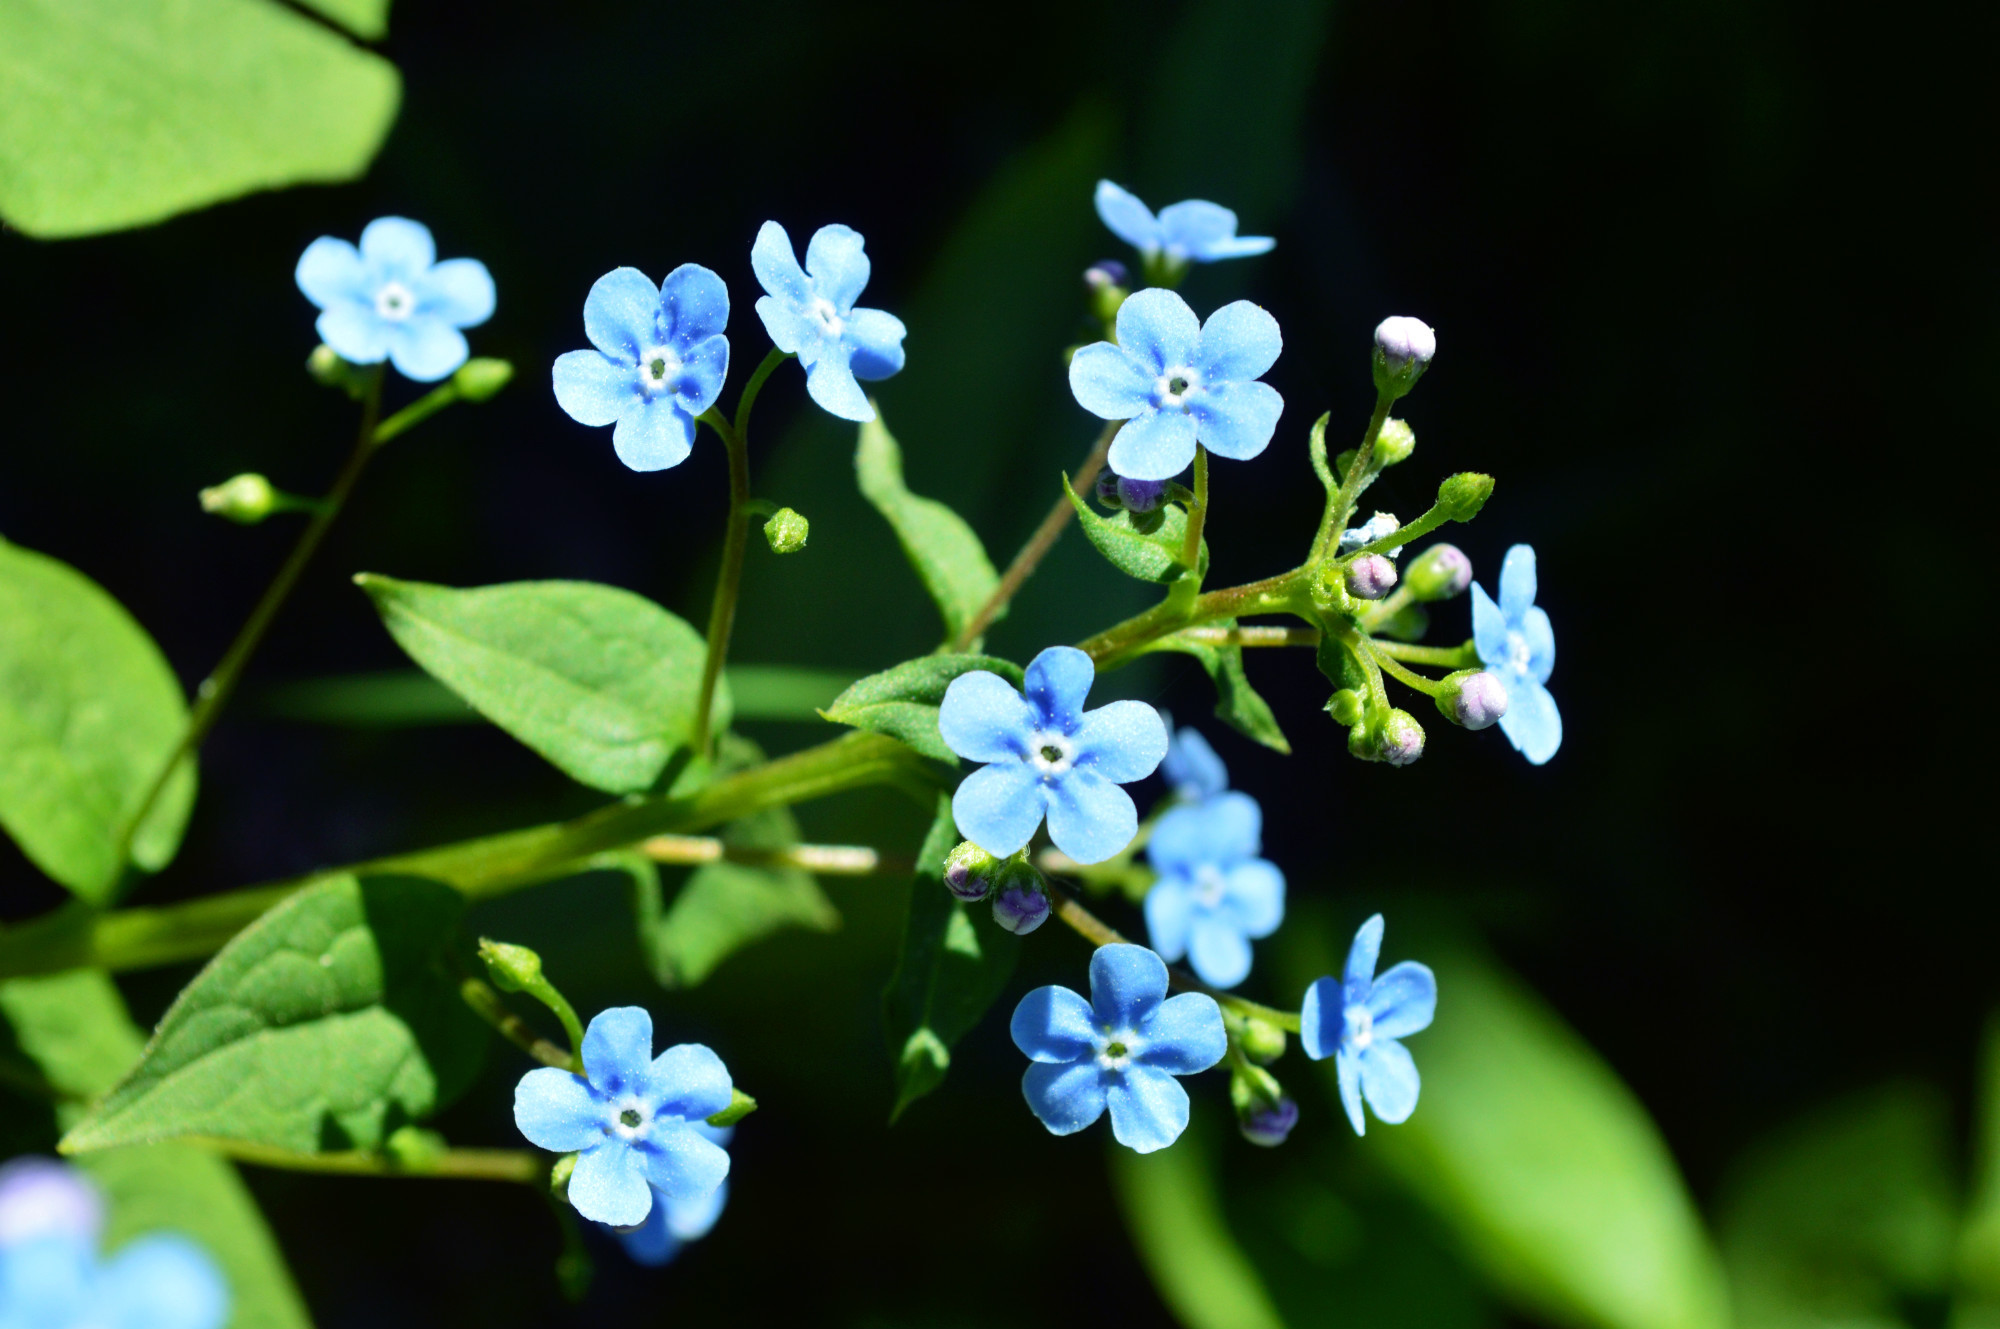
(954, 962)
(117, 113)
(326, 1024)
(1173, 1210)
(601, 682)
(948, 557)
(89, 712)
(1979, 1250)
(1154, 557)
(903, 701)
(1236, 702)
(784, 692)
(367, 19)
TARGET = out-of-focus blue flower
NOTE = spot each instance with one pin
(673, 1223)
(1357, 1019)
(1195, 231)
(391, 299)
(810, 313)
(1191, 768)
(1517, 645)
(1046, 756)
(1176, 381)
(1121, 1049)
(660, 361)
(631, 1119)
(1214, 894)
(1377, 527)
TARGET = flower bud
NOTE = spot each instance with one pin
(1345, 706)
(1403, 350)
(1370, 577)
(1107, 490)
(512, 968)
(786, 531)
(1464, 494)
(1108, 283)
(1261, 1041)
(414, 1149)
(559, 1176)
(1472, 698)
(330, 371)
(245, 499)
(969, 872)
(481, 377)
(1399, 739)
(1142, 495)
(1269, 1126)
(1019, 906)
(1439, 573)
(1395, 443)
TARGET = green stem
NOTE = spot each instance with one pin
(418, 411)
(729, 580)
(1383, 610)
(1416, 530)
(1283, 594)
(1357, 646)
(1449, 657)
(488, 1004)
(772, 359)
(1342, 506)
(1197, 513)
(1407, 677)
(1249, 636)
(516, 1165)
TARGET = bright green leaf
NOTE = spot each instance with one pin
(367, 19)
(89, 712)
(903, 701)
(954, 962)
(948, 557)
(1174, 1212)
(117, 113)
(1237, 704)
(784, 692)
(1154, 556)
(326, 1024)
(1979, 1251)
(601, 682)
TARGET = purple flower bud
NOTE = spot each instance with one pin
(1479, 701)
(1107, 491)
(1106, 272)
(1403, 350)
(1020, 909)
(1141, 495)
(1370, 577)
(968, 872)
(1268, 1126)
(1400, 740)
(1439, 573)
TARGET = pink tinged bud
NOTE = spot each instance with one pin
(1481, 701)
(1439, 573)
(1400, 741)
(1370, 577)
(1405, 342)
(1020, 909)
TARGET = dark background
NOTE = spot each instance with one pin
(1715, 286)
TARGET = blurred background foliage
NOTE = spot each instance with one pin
(1709, 279)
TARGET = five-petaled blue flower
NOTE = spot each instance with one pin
(810, 313)
(673, 1223)
(631, 1119)
(660, 361)
(1121, 1049)
(391, 299)
(51, 1276)
(1046, 755)
(1176, 381)
(1357, 1020)
(1213, 894)
(1195, 231)
(1191, 768)
(1517, 645)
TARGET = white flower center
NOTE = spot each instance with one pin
(630, 1117)
(1518, 653)
(821, 311)
(1171, 388)
(395, 302)
(1051, 752)
(1209, 886)
(657, 368)
(1360, 1027)
(1115, 1048)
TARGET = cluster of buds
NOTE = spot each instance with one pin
(1020, 900)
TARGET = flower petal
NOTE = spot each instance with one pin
(1090, 818)
(1128, 218)
(984, 719)
(621, 315)
(1256, 893)
(777, 267)
(694, 305)
(1149, 1109)
(1532, 723)
(788, 328)
(1127, 983)
(458, 290)
(998, 807)
(651, 1244)
(426, 349)
(1195, 227)
(1348, 1069)
(838, 265)
(1321, 1022)
(1541, 637)
(1218, 950)
(1058, 681)
(398, 249)
(609, 1185)
(331, 271)
(1184, 1035)
(1240, 341)
(1236, 420)
(1489, 628)
(1052, 1025)
(592, 388)
(558, 1111)
(354, 332)
(699, 383)
(1389, 1079)
(875, 337)
(1157, 326)
(1183, 839)
(1365, 951)
(1167, 910)
(160, 1281)
(618, 1050)
(691, 1220)
(1110, 382)
(1123, 741)
(1240, 246)
(1065, 1098)
(1403, 1000)
(1154, 445)
(1517, 582)
(688, 1081)
(653, 434)
(681, 1162)
(830, 382)
(1192, 767)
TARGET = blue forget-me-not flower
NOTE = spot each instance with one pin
(1357, 1019)
(631, 1119)
(810, 313)
(1517, 646)
(660, 361)
(1121, 1049)
(673, 1223)
(1176, 381)
(52, 1278)
(1191, 768)
(1214, 894)
(1046, 755)
(392, 300)
(1195, 231)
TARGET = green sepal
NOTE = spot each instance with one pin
(1339, 665)
(1237, 704)
(1316, 449)
(947, 555)
(903, 701)
(1153, 556)
(740, 1106)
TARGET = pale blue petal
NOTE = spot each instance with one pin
(1236, 420)
(594, 390)
(1192, 767)
(1065, 1098)
(1365, 951)
(777, 268)
(618, 1049)
(1149, 1109)
(691, 1220)
(998, 807)
(688, 1081)
(1389, 1079)
(1348, 1069)
(45, 1281)
(1122, 741)
(651, 1244)
(1167, 910)
(1541, 638)
(458, 290)
(1110, 382)
(557, 1111)
(1403, 1000)
(1158, 327)
(1180, 840)
(1242, 246)
(1517, 583)
(876, 339)
(830, 382)
(786, 325)
(984, 719)
(694, 306)
(621, 315)
(331, 271)
(699, 383)
(1155, 445)
(1090, 818)
(1240, 341)
(425, 349)
(838, 265)
(355, 332)
(1532, 723)
(1127, 984)
(1257, 895)
(1058, 682)
(1235, 826)
(1194, 227)
(160, 1281)
(1321, 1022)
(1218, 950)
(653, 434)
(1489, 628)
(609, 1185)
(680, 1163)
(1128, 218)
(398, 249)
(1183, 1035)
(1053, 1024)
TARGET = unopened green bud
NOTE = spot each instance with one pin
(1395, 443)
(1261, 1041)
(559, 1176)
(1108, 284)
(740, 1106)
(413, 1148)
(481, 377)
(1439, 573)
(969, 872)
(330, 371)
(512, 968)
(246, 499)
(786, 532)
(1464, 494)
(1263, 1112)
(1346, 706)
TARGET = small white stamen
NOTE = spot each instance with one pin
(826, 315)
(629, 1118)
(1360, 1027)
(395, 302)
(1115, 1048)
(1171, 388)
(1051, 752)
(1518, 653)
(658, 368)
(1209, 886)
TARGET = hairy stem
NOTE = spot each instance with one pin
(1250, 636)
(1407, 677)
(492, 1008)
(1285, 593)
(1449, 657)
(1342, 506)
(1197, 513)
(516, 1165)
(728, 581)
(837, 860)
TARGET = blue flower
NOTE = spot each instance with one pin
(660, 361)
(1121, 1049)
(1517, 645)
(631, 1119)
(391, 299)
(1213, 894)
(813, 316)
(1176, 382)
(1046, 755)
(1191, 768)
(672, 1223)
(1357, 1020)
(1196, 231)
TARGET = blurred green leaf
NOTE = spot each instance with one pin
(117, 113)
(601, 682)
(784, 692)
(1237, 704)
(948, 557)
(89, 711)
(903, 701)
(1154, 556)
(1979, 1246)
(367, 19)
(326, 1024)
(953, 964)
(1174, 1212)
